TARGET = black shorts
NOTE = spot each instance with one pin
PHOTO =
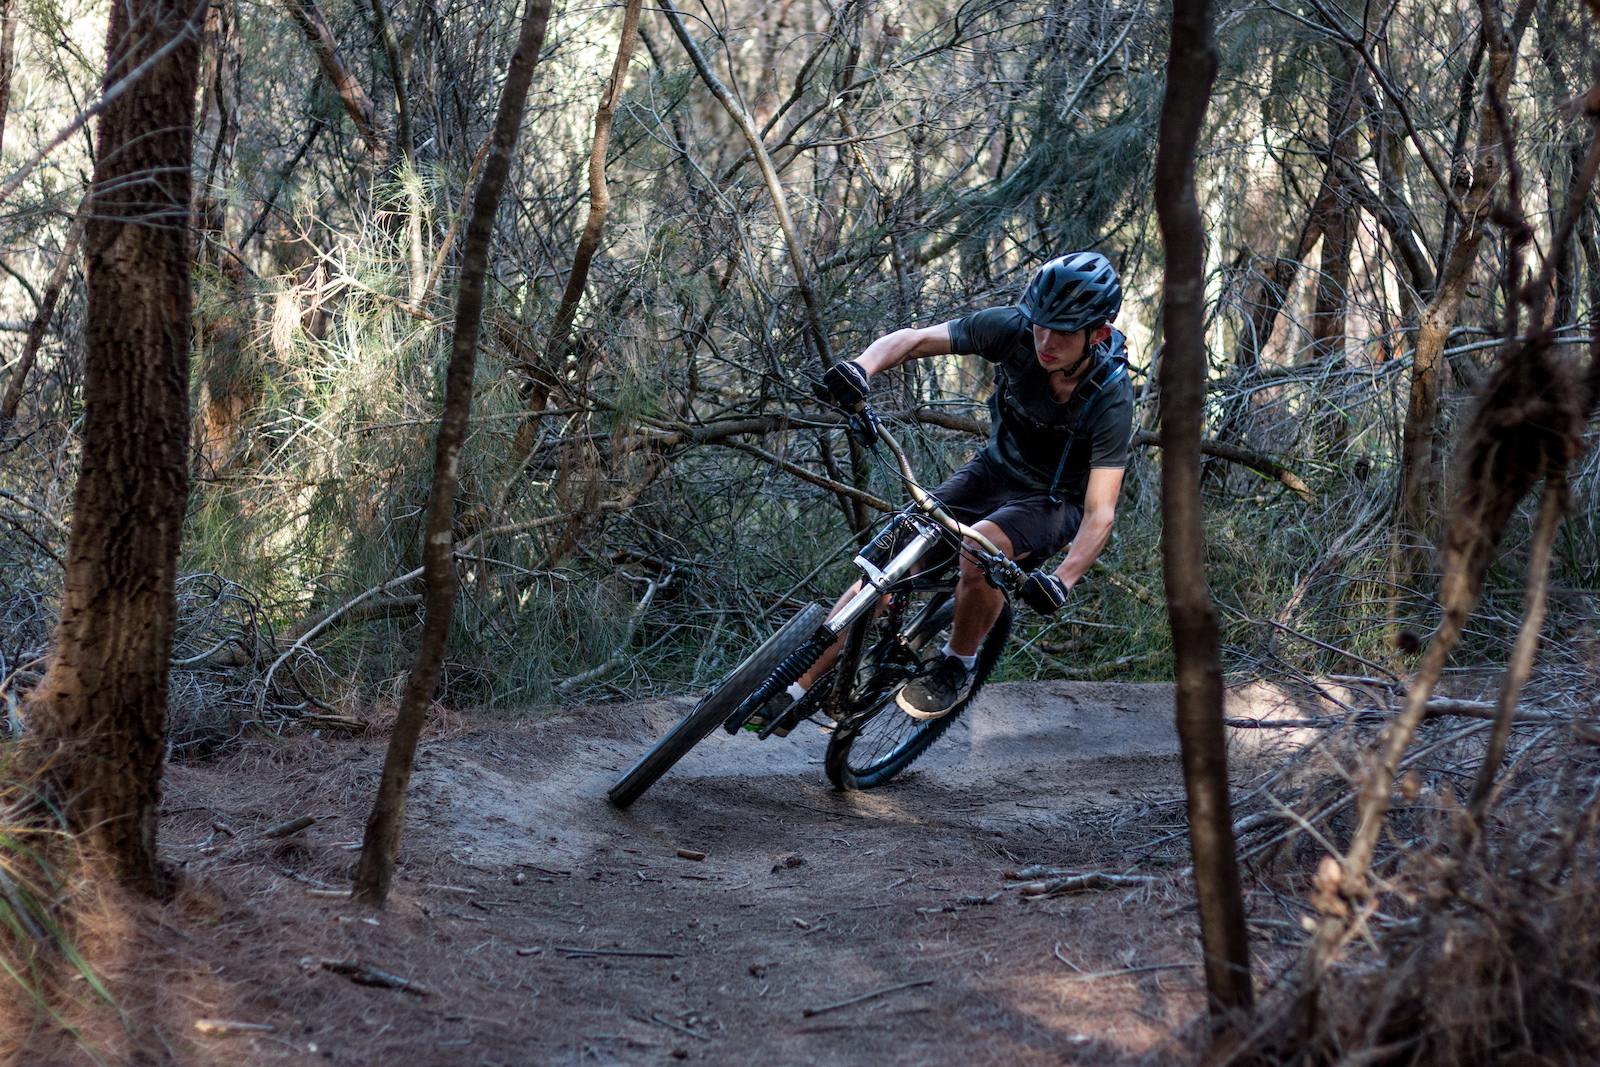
(1038, 529)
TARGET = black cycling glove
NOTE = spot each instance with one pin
(846, 382)
(1044, 593)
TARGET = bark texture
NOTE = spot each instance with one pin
(8, 55)
(1191, 70)
(381, 844)
(99, 714)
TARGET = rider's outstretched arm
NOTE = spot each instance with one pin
(1099, 512)
(902, 346)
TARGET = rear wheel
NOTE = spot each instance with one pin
(717, 705)
(875, 740)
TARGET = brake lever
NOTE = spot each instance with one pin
(863, 426)
(1005, 576)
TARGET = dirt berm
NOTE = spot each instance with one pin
(550, 928)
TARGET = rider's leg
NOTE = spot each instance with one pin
(825, 661)
(978, 604)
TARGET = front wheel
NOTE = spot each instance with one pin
(875, 740)
(717, 705)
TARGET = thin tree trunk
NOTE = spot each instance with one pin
(402, 111)
(1417, 466)
(1191, 70)
(1275, 286)
(381, 844)
(594, 225)
(282, 180)
(100, 712)
(599, 196)
(41, 321)
(780, 201)
(791, 240)
(1552, 509)
(1329, 309)
(356, 102)
(8, 58)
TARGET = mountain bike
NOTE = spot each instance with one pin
(895, 627)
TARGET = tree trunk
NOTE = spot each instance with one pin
(402, 135)
(769, 173)
(41, 321)
(1330, 307)
(1417, 461)
(382, 841)
(1195, 638)
(356, 102)
(227, 367)
(8, 57)
(1264, 310)
(100, 712)
(589, 241)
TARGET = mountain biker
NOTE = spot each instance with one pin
(1062, 418)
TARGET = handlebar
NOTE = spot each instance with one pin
(1010, 576)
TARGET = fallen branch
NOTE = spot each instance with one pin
(320, 721)
(363, 974)
(227, 1027)
(809, 1012)
(1079, 883)
(659, 1021)
(573, 952)
(293, 826)
(1126, 584)
(1095, 669)
(1262, 465)
(1087, 975)
(462, 551)
(371, 611)
(1436, 708)
(617, 657)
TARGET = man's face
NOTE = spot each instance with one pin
(1056, 350)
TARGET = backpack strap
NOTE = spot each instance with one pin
(1111, 369)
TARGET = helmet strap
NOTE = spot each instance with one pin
(1088, 350)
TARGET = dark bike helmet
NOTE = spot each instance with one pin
(1073, 293)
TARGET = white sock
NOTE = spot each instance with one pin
(966, 661)
(796, 690)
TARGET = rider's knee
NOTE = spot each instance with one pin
(970, 571)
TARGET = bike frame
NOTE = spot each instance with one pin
(928, 521)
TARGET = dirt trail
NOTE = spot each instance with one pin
(805, 898)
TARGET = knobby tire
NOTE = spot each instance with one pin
(717, 705)
(868, 773)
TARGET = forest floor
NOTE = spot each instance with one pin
(549, 928)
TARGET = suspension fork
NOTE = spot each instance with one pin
(876, 583)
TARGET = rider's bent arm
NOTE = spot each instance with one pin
(901, 346)
(1099, 511)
